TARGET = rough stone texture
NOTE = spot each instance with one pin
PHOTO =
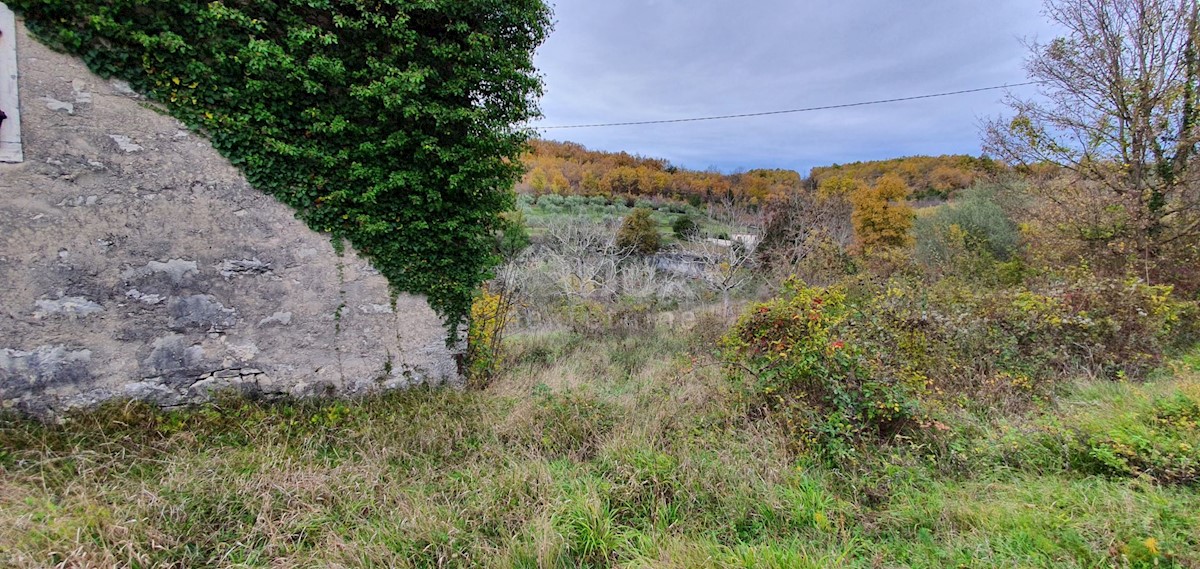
(137, 262)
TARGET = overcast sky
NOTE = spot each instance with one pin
(635, 60)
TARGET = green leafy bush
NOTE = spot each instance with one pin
(685, 227)
(639, 233)
(797, 359)
(391, 123)
(967, 237)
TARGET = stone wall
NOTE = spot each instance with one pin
(137, 262)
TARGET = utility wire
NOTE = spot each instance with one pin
(790, 111)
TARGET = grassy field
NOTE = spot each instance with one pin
(629, 452)
(550, 209)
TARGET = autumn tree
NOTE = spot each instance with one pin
(582, 258)
(841, 185)
(1118, 113)
(881, 216)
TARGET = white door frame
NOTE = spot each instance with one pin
(10, 129)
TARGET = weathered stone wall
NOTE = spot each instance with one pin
(137, 262)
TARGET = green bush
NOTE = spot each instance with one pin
(639, 233)
(685, 227)
(798, 362)
(391, 124)
(967, 237)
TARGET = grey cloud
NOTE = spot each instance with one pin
(622, 60)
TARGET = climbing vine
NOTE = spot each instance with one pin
(392, 123)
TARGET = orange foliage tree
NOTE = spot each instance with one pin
(570, 169)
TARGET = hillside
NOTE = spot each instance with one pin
(928, 176)
(568, 168)
(667, 368)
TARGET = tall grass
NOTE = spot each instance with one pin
(613, 451)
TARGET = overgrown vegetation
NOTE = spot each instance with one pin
(620, 451)
(392, 124)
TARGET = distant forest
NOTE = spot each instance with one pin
(568, 168)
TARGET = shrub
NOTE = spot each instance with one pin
(798, 363)
(513, 236)
(1007, 342)
(489, 317)
(639, 233)
(685, 227)
(838, 370)
(967, 237)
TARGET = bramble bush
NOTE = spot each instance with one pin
(838, 370)
(798, 363)
(992, 344)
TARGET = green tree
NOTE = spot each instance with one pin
(513, 237)
(391, 123)
(968, 236)
(639, 233)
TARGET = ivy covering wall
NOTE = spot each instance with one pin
(394, 124)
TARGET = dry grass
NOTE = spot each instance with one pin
(626, 452)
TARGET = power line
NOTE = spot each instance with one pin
(790, 111)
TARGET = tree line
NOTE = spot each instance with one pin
(568, 168)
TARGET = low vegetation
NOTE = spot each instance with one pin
(627, 451)
(960, 404)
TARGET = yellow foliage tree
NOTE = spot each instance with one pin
(559, 183)
(881, 217)
(842, 185)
